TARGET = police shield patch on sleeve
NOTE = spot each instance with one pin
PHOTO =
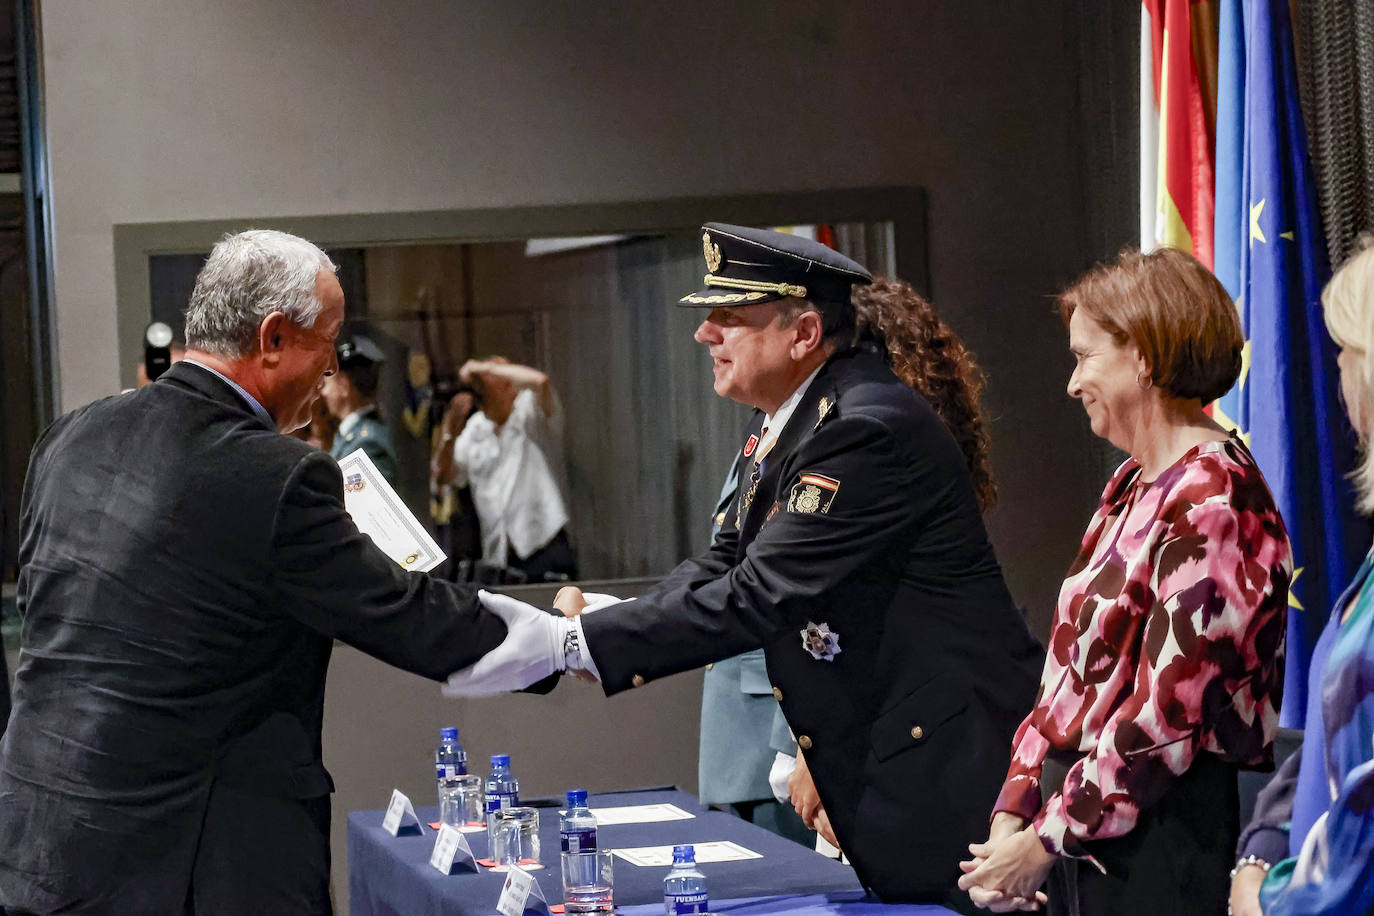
(813, 493)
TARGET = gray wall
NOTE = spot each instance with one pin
(1014, 117)
(1017, 118)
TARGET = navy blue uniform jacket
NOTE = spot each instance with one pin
(907, 728)
(186, 569)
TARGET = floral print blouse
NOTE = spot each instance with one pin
(1167, 642)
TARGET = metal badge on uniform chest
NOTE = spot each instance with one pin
(822, 643)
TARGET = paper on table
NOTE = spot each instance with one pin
(640, 814)
(383, 516)
(662, 856)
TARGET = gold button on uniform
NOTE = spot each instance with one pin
(637, 680)
(917, 732)
(777, 694)
(804, 742)
(710, 665)
(720, 519)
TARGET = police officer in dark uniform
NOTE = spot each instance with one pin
(351, 397)
(854, 554)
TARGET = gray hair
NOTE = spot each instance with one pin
(246, 278)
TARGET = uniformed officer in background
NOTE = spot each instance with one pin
(351, 397)
(854, 554)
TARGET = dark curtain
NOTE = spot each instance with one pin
(1336, 78)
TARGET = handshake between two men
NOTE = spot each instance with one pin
(539, 644)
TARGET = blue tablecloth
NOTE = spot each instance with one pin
(391, 876)
(840, 903)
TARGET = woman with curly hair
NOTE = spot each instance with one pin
(925, 353)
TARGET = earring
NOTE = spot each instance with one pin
(1143, 381)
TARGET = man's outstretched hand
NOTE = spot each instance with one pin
(531, 651)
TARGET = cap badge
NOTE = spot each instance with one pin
(820, 641)
(823, 410)
(749, 446)
(712, 252)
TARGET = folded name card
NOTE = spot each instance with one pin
(521, 896)
(400, 815)
(451, 852)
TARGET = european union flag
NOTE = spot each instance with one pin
(1271, 256)
(1274, 265)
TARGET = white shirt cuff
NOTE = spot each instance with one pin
(778, 775)
(585, 662)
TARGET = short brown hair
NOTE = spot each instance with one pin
(1175, 312)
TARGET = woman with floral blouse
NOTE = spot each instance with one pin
(1165, 665)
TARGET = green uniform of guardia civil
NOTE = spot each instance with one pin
(370, 434)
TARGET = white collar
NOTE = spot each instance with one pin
(777, 421)
(347, 423)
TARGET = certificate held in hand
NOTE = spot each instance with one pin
(383, 516)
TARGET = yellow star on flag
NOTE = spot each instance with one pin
(1293, 601)
(1255, 212)
(1227, 423)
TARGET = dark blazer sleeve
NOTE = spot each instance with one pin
(332, 578)
(709, 609)
(1266, 835)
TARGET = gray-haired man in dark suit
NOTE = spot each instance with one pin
(185, 571)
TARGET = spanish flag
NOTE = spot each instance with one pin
(1178, 105)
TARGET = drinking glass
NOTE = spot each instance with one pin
(514, 837)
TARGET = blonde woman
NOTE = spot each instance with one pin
(1327, 820)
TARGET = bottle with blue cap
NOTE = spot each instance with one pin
(584, 889)
(450, 760)
(684, 889)
(503, 789)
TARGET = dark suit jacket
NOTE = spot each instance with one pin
(185, 570)
(907, 729)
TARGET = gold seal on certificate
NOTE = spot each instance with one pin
(381, 515)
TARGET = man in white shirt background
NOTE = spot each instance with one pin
(510, 452)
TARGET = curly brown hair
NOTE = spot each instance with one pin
(925, 353)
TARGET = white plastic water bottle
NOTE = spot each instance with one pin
(584, 890)
(684, 889)
(450, 760)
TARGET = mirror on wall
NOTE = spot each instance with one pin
(645, 441)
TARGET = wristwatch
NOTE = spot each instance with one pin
(572, 647)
